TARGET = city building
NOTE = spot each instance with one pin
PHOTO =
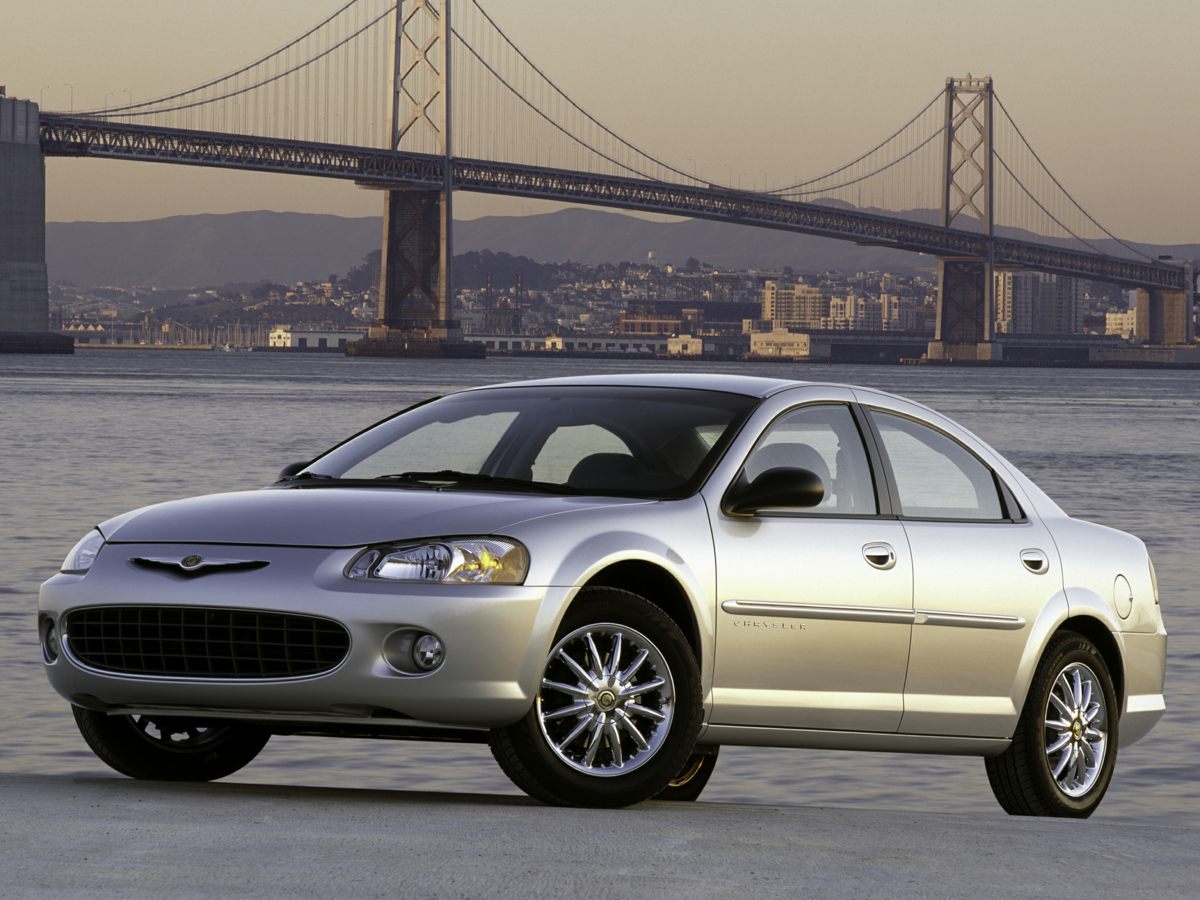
(898, 313)
(780, 343)
(1037, 303)
(793, 304)
(854, 313)
(285, 337)
(1163, 317)
(1122, 324)
(731, 346)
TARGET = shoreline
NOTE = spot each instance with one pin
(697, 360)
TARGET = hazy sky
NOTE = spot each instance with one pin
(1106, 90)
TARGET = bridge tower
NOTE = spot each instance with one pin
(24, 301)
(416, 299)
(966, 309)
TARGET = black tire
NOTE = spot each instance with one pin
(163, 748)
(692, 778)
(525, 750)
(1022, 777)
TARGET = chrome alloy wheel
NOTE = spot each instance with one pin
(1076, 730)
(607, 700)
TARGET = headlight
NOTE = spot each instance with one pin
(460, 561)
(83, 554)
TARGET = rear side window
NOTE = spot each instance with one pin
(935, 476)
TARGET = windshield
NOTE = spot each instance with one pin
(625, 441)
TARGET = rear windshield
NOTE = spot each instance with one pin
(625, 441)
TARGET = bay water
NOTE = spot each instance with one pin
(88, 436)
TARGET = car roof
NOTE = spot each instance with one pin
(748, 385)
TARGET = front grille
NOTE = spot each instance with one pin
(196, 642)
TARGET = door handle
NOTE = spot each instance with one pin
(881, 556)
(1035, 561)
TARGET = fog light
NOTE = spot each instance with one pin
(50, 644)
(412, 651)
(428, 652)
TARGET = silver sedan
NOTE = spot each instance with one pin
(609, 578)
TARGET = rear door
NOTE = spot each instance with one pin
(983, 572)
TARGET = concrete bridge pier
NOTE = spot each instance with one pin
(414, 281)
(24, 299)
(1164, 317)
(966, 312)
(412, 275)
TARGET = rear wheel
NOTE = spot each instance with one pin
(169, 748)
(1064, 748)
(617, 712)
(692, 778)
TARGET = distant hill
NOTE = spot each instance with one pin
(596, 236)
(187, 251)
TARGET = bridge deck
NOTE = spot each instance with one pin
(67, 136)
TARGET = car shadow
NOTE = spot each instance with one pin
(269, 791)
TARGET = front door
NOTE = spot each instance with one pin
(814, 607)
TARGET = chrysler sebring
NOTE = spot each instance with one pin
(607, 579)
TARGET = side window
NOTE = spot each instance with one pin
(824, 440)
(936, 477)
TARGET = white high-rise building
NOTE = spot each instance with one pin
(854, 313)
(793, 304)
(897, 313)
(1037, 303)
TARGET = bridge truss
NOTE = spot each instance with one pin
(69, 136)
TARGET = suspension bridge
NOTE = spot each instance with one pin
(422, 98)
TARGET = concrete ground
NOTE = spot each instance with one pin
(104, 837)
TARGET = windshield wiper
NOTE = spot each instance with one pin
(309, 476)
(453, 478)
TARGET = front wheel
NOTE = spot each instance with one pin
(167, 748)
(617, 712)
(1064, 748)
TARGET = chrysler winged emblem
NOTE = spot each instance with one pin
(193, 564)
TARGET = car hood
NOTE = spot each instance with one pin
(336, 517)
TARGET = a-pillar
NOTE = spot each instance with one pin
(965, 312)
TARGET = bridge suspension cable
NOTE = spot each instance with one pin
(326, 85)
(895, 134)
(1018, 146)
(158, 101)
(900, 175)
(1057, 221)
(331, 85)
(290, 68)
(569, 101)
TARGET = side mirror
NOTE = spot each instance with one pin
(781, 488)
(291, 469)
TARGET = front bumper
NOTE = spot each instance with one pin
(495, 636)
